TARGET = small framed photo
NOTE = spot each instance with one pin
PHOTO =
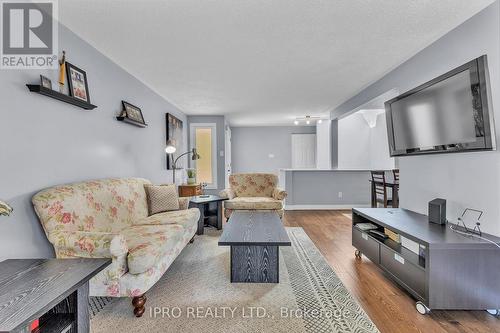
(77, 82)
(45, 82)
(133, 112)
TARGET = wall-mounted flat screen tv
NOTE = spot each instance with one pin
(451, 113)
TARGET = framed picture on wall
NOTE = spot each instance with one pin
(174, 128)
(77, 82)
(133, 112)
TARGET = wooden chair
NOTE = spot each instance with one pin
(395, 198)
(395, 173)
(379, 189)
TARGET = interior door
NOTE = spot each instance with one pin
(303, 151)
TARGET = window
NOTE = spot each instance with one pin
(203, 137)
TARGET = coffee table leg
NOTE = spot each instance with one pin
(255, 264)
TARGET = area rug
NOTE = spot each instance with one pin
(195, 295)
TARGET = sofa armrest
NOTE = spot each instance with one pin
(227, 194)
(279, 194)
(88, 244)
(84, 244)
(183, 203)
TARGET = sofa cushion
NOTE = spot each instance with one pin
(148, 244)
(253, 203)
(253, 184)
(184, 218)
(161, 198)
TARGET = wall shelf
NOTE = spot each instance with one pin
(36, 88)
(130, 121)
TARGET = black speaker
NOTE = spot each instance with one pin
(437, 211)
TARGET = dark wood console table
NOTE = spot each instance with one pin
(455, 272)
(54, 291)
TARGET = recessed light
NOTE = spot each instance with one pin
(308, 122)
(320, 121)
(296, 122)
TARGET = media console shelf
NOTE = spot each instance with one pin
(455, 272)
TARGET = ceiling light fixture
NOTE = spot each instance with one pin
(309, 119)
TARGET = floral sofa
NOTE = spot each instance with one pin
(253, 191)
(109, 219)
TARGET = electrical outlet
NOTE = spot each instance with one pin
(341, 195)
(271, 155)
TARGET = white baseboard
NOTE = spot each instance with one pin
(324, 207)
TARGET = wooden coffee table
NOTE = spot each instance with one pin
(254, 238)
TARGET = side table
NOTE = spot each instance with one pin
(210, 207)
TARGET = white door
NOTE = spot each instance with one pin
(303, 151)
(228, 155)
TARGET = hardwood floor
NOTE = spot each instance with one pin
(390, 308)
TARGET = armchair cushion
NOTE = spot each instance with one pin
(149, 244)
(227, 193)
(161, 198)
(279, 194)
(253, 203)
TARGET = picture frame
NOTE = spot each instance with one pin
(133, 112)
(175, 131)
(77, 83)
(45, 82)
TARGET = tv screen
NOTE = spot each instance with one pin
(448, 114)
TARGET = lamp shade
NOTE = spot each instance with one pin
(170, 148)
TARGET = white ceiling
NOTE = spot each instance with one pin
(261, 62)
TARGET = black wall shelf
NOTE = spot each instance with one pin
(36, 88)
(130, 121)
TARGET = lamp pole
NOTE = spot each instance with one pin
(194, 158)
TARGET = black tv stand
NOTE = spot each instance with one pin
(454, 272)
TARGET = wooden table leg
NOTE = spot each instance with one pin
(82, 309)
(219, 215)
(255, 264)
(201, 221)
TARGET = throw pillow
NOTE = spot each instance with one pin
(161, 198)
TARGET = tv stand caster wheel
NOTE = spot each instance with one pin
(422, 308)
(494, 312)
(357, 254)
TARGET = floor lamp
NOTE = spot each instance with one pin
(171, 149)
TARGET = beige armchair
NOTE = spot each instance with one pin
(253, 191)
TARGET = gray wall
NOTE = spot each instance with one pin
(326, 189)
(251, 147)
(221, 139)
(467, 179)
(44, 142)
